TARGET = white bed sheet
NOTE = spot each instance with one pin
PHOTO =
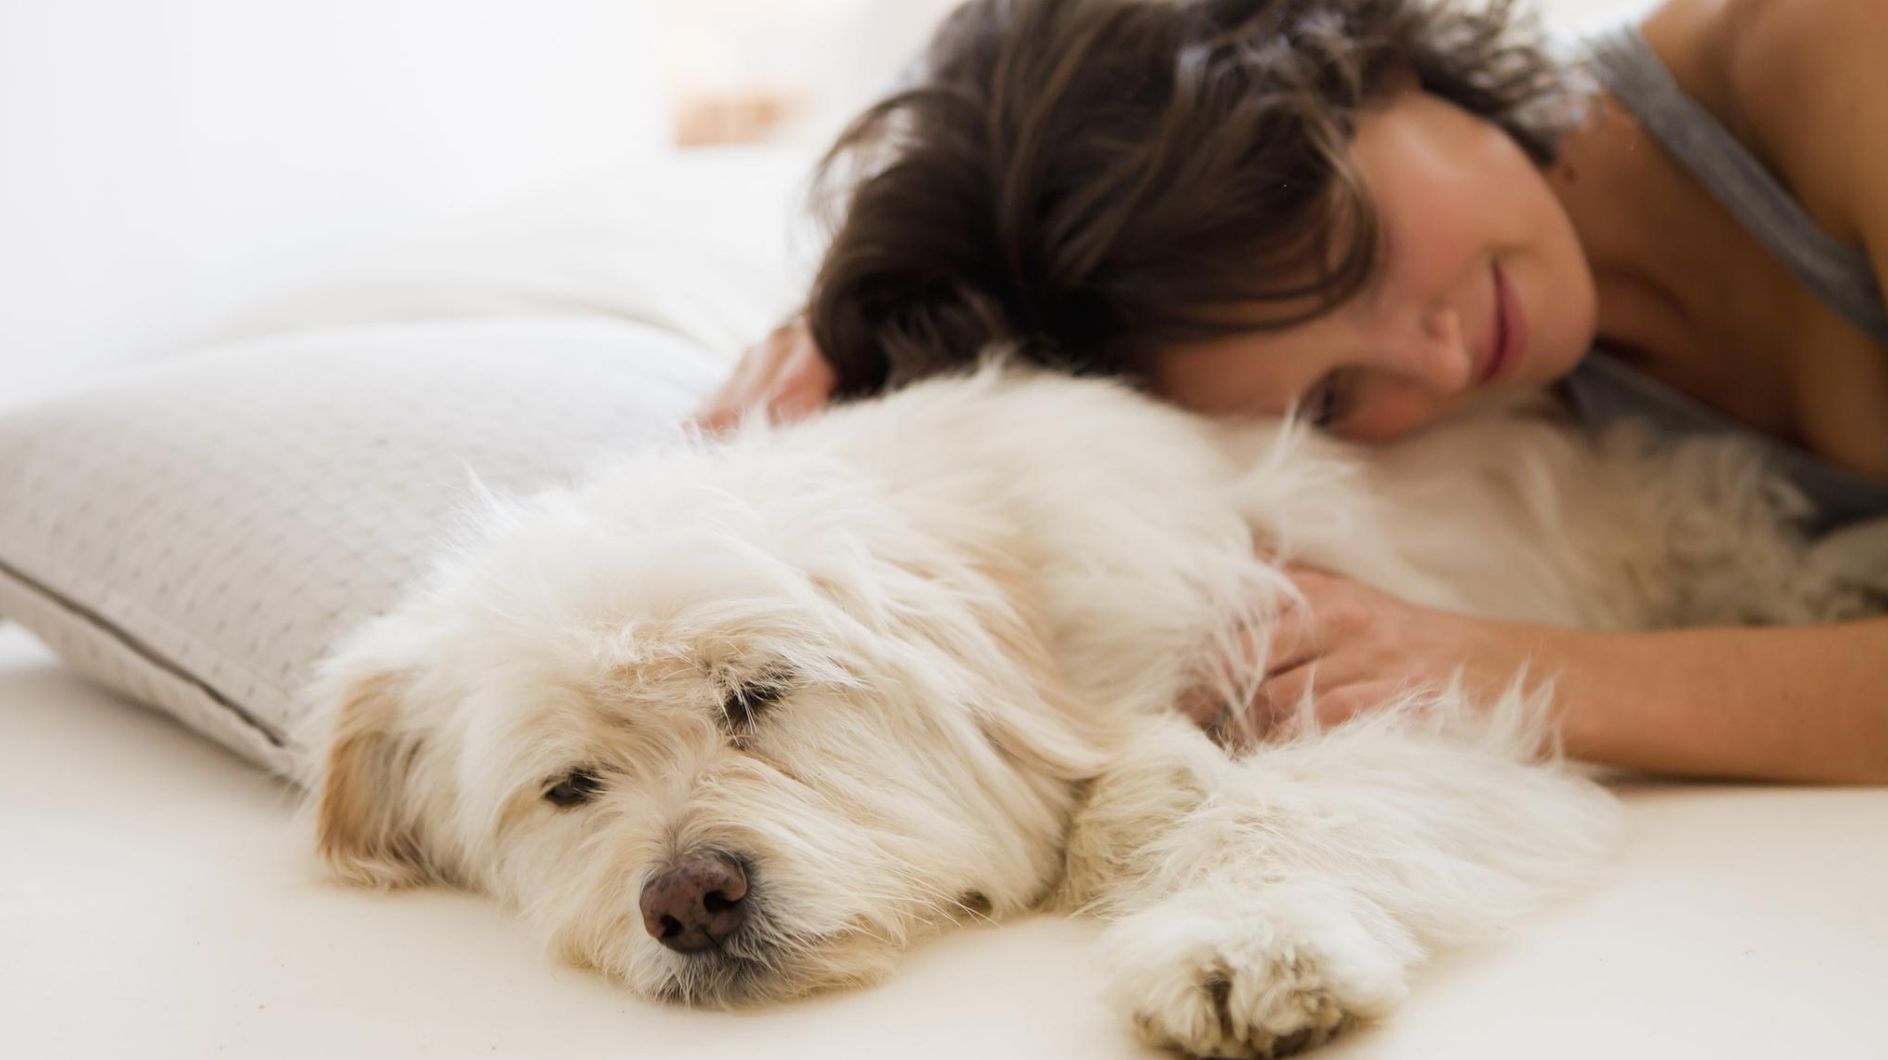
(158, 899)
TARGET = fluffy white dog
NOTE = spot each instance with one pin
(738, 721)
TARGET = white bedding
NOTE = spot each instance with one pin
(158, 900)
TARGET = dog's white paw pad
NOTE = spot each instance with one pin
(1275, 1010)
(1250, 986)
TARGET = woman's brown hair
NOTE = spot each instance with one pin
(1088, 180)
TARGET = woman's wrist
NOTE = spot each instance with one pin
(1575, 665)
(1641, 700)
(1791, 704)
(1579, 664)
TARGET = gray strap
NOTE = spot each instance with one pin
(1603, 390)
(1838, 273)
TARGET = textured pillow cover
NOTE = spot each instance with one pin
(196, 536)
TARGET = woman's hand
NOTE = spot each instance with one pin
(1354, 648)
(783, 376)
(1794, 704)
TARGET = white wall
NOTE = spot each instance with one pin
(165, 162)
(837, 55)
(1581, 16)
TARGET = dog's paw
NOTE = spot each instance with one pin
(1253, 978)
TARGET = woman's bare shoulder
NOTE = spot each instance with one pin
(1809, 79)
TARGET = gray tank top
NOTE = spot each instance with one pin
(1604, 388)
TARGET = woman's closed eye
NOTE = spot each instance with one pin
(1329, 400)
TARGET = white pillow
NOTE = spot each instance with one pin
(196, 536)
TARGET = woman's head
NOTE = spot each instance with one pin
(1244, 203)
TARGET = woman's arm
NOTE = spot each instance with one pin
(1802, 704)
(1806, 703)
(1805, 88)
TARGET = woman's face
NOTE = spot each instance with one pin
(1481, 287)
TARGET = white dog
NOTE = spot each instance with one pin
(738, 721)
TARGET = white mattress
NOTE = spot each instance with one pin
(158, 899)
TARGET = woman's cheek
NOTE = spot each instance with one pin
(1386, 415)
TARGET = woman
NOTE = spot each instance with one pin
(1378, 212)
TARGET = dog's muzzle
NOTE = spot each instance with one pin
(695, 902)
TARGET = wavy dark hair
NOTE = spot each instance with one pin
(1088, 180)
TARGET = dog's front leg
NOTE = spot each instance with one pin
(1261, 905)
(1220, 949)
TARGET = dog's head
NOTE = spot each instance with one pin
(725, 723)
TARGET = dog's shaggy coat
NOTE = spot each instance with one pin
(916, 661)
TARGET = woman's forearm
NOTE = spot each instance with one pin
(1806, 703)
(1802, 704)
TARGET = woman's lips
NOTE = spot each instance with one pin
(1510, 330)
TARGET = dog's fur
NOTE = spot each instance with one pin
(916, 661)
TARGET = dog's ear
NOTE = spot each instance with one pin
(1025, 709)
(367, 826)
(1046, 736)
(1040, 723)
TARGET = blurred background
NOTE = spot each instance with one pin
(741, 70)
(164, 164)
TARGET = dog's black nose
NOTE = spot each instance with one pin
(695, 902)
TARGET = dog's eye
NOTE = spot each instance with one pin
(751, 698)
(575, 788)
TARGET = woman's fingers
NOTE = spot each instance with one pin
(783, 375)
(1295, 640)
(1279, 697)
(803, 384)
(725, 407)
(1347, 649)
(1333, 701)
(1285, 645)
